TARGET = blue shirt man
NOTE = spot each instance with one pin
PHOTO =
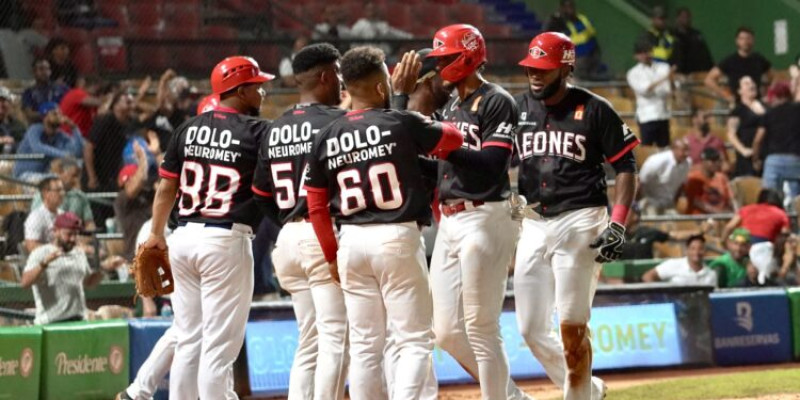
(43, 91)
(49, 139)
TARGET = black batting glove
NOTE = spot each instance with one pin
(609, 243)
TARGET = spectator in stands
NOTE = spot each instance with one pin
(332, 26)
(285, 68)
(734, 267)
(707, 188)
(743, 123)
(765, 220)
(775, 263)
(75, 200)
(171, 96)
(659, 36)
(662, 177)
(12, 130)
(691, 53)
(63, 70)
(743, 62)
(699, 138)
(371, 26)
(778, 142)
(687, 270)
(639, 239)
(43, 91)
(580, 30)
(47, 138)
(59, 271)
(40, 221)
(651, 82)
(82, 103)
(106, 142)
(134, 202)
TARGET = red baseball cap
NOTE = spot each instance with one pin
(126, 173)
(549, 50)
(68, 220)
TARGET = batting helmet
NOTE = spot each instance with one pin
(208, 103)
(235, 71)
(462, 39)
(550, 50)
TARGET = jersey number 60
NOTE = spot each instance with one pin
(351, 193)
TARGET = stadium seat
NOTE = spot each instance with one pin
(117, 12)
(496, 30)
(268, 56)
(111, 53)
(75, 36)
(431, 14)
(745, 191)
(145, 14)
(84, 59)
(467, 13)
(398, 14)
(185, 17)
(642, 152)
(219, 32)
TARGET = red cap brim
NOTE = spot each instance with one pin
(443, 51)
(539, 64)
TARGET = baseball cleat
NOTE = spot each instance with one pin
(599, 388)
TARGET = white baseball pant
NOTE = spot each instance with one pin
(213, 272)
(385, 282)
(320, 363)
(555, 264)
(154, 368)
(469, 270)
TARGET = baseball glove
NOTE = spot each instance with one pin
(152, 272)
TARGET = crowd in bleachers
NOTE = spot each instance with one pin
(84, 132)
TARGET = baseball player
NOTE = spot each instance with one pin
(476, 237)
(565, 135)
(208, 165)
(156, 366)
(319, 367)
(365, 164)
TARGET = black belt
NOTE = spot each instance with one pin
(223, 225)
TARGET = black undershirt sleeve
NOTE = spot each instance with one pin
(491, 160)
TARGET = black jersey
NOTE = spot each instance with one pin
(562, 149)
(368, 162)
(487, 117)
(214, 156)
(282, 158)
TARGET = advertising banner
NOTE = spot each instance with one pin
(751, 327)
(794, 304)
(20, 362)
(623, 336)
(144, 334)
(84, 360)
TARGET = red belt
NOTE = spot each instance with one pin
(452, 209)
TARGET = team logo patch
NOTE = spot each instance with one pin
(470, 41)
(437, 43)
(568, 57)
(536, 52)
(579, 112)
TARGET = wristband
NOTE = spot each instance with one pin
(619, 214)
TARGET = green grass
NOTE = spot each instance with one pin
(736, 385)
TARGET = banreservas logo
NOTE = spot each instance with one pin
(84, 364)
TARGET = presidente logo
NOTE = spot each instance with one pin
(744, 315)
(26, 362)
(83, 364)
(22, 366)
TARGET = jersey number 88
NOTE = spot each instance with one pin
(219, 197)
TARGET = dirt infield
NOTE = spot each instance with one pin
(542, 389)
